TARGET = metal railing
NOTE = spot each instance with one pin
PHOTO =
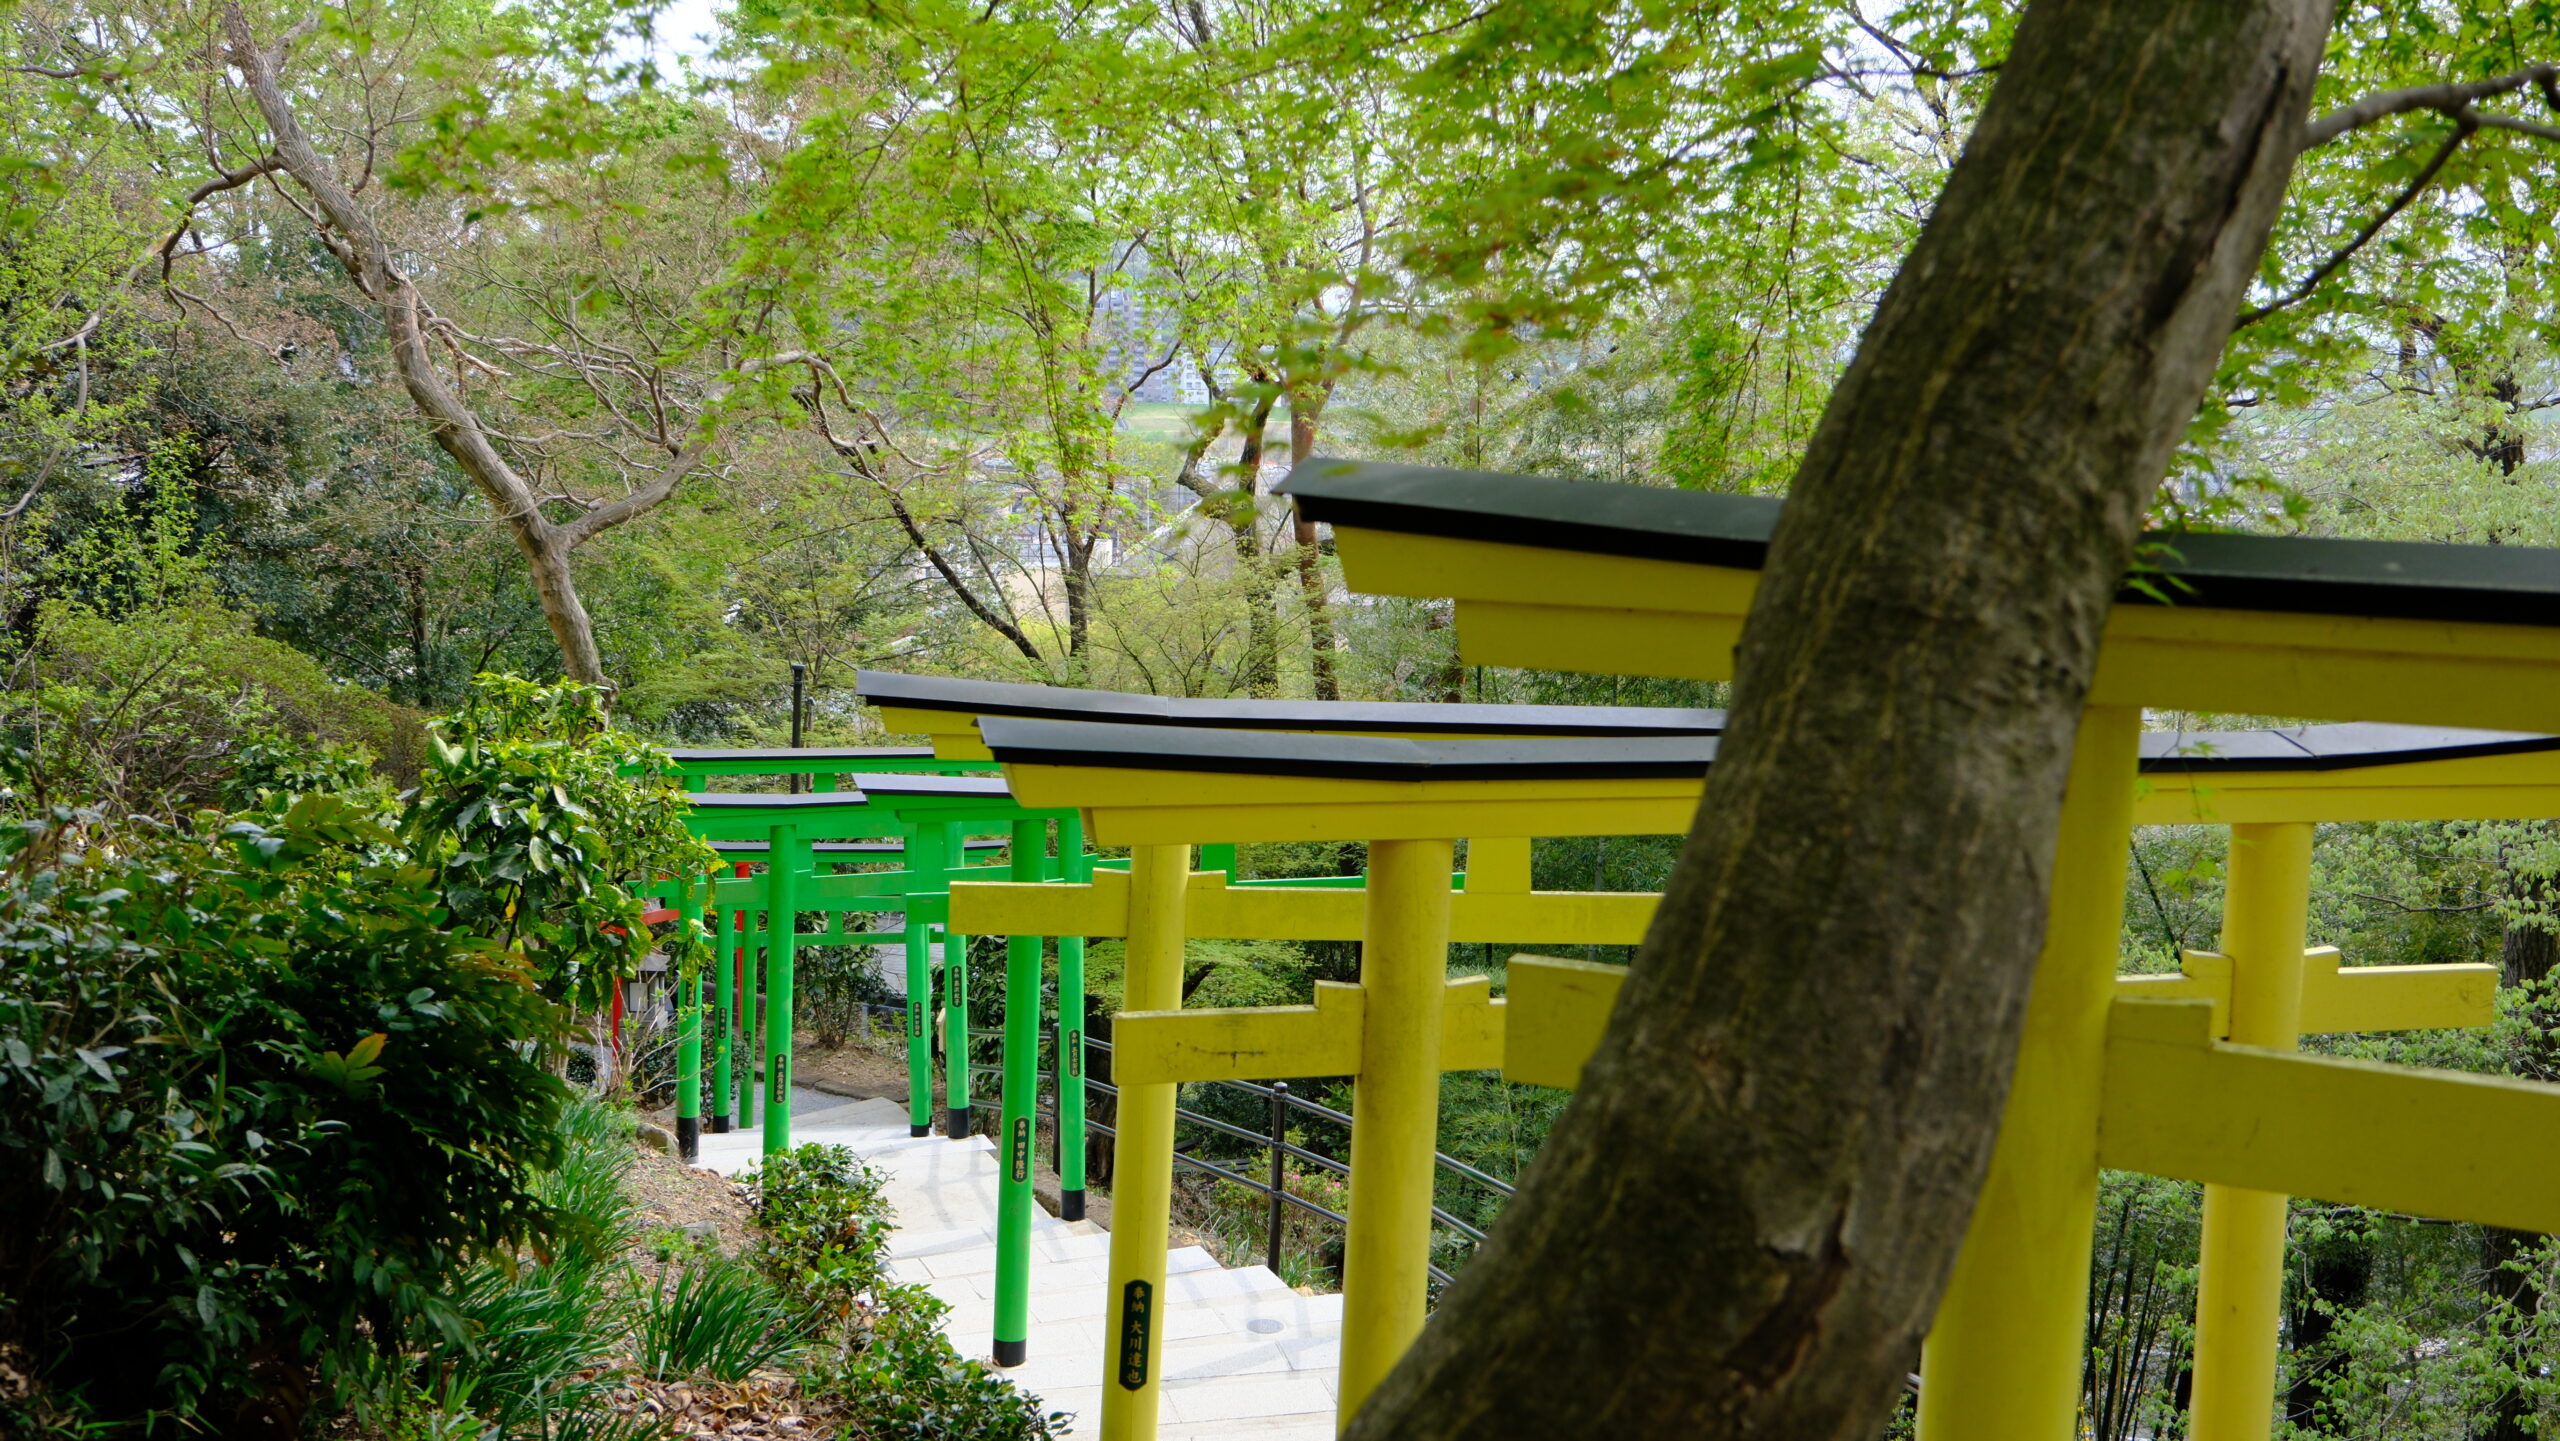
(1275, 1144)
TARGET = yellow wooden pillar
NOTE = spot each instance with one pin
(1404, 975)
(2003, 1359)
(1142, 1152)
(2240, 1282)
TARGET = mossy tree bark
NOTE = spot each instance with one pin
(1741, 1226)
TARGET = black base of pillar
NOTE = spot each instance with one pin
(689, 1139)
(719, 1125)
(1012, 1353)
(924, 1130)
(1071, 1205)
(955, 1123)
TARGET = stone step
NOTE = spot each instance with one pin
(978, 1282)
(1242, 1355)
(1314, 1345)
(907, 1245)
(1049, 1246)
(1217, 1405)
(1089, 1303)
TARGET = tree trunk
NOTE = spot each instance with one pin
(366, 256)
(2528, 953)
(1742, 1223)
(1078, 577)
(2337, 1273)
(1262, 624)
(1306, 409)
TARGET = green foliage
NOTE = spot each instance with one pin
(258, 1104)
(713, 1317)
(547, 828)
(907, 1383)
(153, 714)
(1239, 1221)
(540, 1333)
(826, 1227)
(144, 690)
(879, 1357)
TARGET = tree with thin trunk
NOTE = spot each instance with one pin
(671, 440)
(1743, 1222)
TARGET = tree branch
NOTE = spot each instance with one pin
(2464, 128)
(228, 180)
(934, 557)
(2452, 99)
(663, 484)
(367, 259)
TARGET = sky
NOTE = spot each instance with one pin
(685, 29)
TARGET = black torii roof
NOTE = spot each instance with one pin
(1007, 698)
(1338, 757)
(2308, 575)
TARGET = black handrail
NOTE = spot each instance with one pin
(1276, 1144)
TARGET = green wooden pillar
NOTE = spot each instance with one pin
(750, 987)
(724, 1010)
(955, 1035)
(1077, 868)
(789, 859)
(955, 1003)
(927, 857)
(1219, 858)
(1021, 1105)
(689, 1025)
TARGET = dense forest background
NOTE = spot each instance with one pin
(348, 353)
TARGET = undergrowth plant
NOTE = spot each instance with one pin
(544, 1329)
(878, 1352)
(714, 1318)
(259, 1106)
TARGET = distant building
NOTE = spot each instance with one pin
(1137, 330)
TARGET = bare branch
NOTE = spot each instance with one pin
(2521, 126)
(660, 486)
(2463, 130)
(2451, 99)
(934, 557)
(228, 180)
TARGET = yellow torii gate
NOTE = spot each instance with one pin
(1565, 1003)
(1157, 790)
(1627, 579)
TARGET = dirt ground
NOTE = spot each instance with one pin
(873, 1069)
(671, 1196)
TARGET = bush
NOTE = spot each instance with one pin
(547, 827)
(890, 1371)
(154, 713)
(715, 1318)
(826, 1227)
(258, 1107)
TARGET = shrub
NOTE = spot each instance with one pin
(546, 827)
(826, 1227)
(258, 1106)
(891, 1372)
(905, 1381)
(153, 713)
(716, 1318)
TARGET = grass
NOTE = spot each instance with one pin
(714, 1318)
